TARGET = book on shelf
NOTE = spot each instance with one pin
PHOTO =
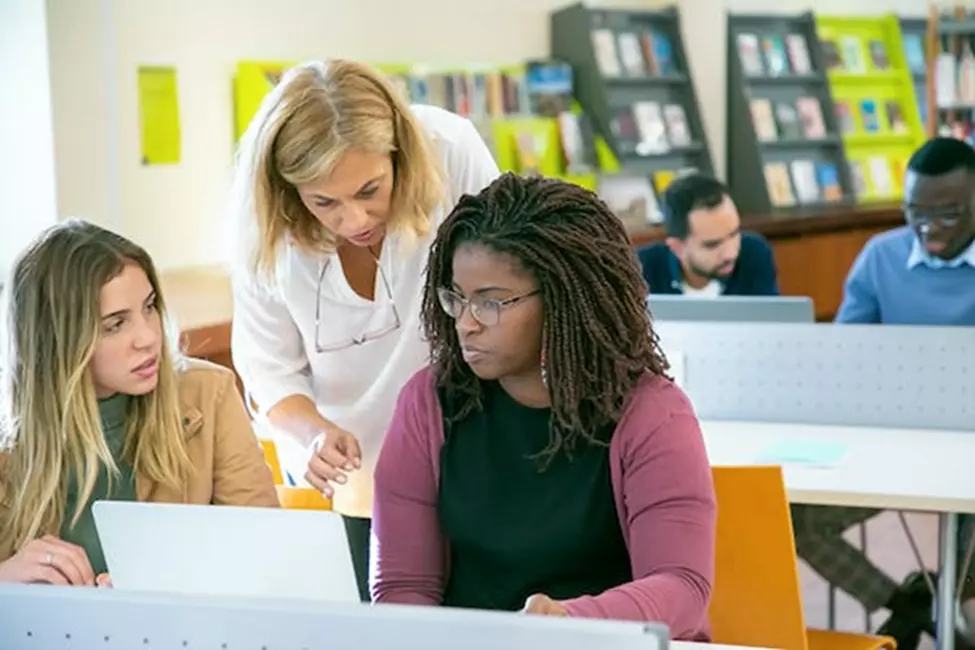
(677, 129)
(776, 59)
(798, 53)
(779, 185)
(895, 116)
(880, 176)
(763, 119)
(804, 181)
(604, 48)
(829, 181)
(633, 54)
(844, 117)
(811, 115)
(651, 127)
(751, 55)
(869, 117)
(772, 55)
(852, 54)
(859, 178)
(914, 53)
(787, 119)
(878, 55)
(661, 50)
(631, 199)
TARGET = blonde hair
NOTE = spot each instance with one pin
(317, 113)
(50, 429)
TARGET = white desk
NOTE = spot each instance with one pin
(899, 469)
(874, 471)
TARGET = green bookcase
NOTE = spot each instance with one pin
(876, 104)
(784, 149)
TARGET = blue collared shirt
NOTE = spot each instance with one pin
(895, 281)
(920, 256)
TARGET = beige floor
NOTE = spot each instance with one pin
(888, 547)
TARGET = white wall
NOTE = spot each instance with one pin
(174, 211)
(27, 185)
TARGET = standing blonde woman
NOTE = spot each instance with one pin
(339, 189)
(96, 404)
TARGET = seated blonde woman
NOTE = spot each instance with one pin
(96, 404)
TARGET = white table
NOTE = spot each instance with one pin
(897, 469)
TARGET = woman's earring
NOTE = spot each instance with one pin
(544, 367)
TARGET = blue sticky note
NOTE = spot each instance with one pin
(816, 453)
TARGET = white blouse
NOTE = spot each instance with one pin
(273, 340)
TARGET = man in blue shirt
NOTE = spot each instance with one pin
(920, 274)
(706, 254)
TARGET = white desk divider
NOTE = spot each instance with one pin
(56, 618)
(855, 375)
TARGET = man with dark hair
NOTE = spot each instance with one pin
(706, 253)
(922, 273)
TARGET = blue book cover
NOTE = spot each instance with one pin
(663, 53)
(868, 115)
(914, 52)
(829, 181)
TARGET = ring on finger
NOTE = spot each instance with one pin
(49, 559)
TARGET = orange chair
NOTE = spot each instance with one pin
(295, 498)
(271, 457)
(756, 599)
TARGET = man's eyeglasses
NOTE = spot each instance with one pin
(485, 311)
(355, 340)
(942, 217)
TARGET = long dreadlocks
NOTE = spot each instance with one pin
(597, 336)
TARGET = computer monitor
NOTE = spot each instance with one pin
(226, 550)
(56, 618)
(767, 309)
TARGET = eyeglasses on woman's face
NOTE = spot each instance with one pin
(486, 311)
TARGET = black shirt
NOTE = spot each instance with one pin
(516, 529)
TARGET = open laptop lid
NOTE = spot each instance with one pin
(104, 618)
(769, 309)
(226, 550)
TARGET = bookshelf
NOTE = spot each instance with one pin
(951, 72)
(784, 148)
(633, 81)
(874, 98)
(914, 33)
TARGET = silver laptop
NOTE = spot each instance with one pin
(754, 309)
(34, 617)
(226, 550)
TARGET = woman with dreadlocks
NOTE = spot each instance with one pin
(543, 462)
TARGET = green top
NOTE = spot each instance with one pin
(112, 412)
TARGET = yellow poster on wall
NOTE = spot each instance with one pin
(252, 81)
(159, 115)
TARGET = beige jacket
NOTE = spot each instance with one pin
(228, 464)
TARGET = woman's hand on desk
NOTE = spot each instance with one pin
(542, 605)
(336, 452)
(49, 560)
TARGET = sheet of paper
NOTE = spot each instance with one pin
(159, 115)
(810, 453)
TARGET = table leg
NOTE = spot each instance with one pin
(945, 604)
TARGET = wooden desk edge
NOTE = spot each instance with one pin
(798, 224)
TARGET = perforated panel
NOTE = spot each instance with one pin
(862, 375)
(51, 618)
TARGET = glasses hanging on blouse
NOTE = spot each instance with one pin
(365, 337)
